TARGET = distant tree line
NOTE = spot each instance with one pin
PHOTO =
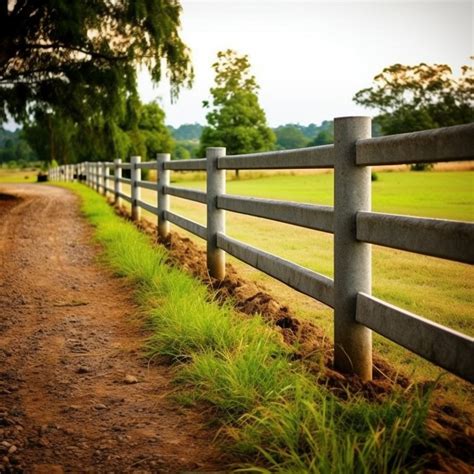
(14, 149)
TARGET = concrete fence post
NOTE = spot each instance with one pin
(163, 199)
(106, 171)
(97, 176)
(135, 175)
(117, 183)
(352, 259)
(87, 173)
(215, 217)
(98, 168)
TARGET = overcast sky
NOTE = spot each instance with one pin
(310, 57)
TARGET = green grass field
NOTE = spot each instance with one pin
(28, 175)
(440, 290)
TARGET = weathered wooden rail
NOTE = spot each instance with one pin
(351, 221)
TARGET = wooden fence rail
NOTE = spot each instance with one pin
(355, 228)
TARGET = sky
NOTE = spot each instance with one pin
(311, 57)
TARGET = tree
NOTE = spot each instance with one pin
(187, 131)
(152, 134)
(289, 136)
(142, 131)
(324, 137)
(81, 56)
(236, 119)
(420, 97)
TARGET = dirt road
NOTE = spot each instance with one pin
(75, 393)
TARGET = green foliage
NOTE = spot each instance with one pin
(236, 119)
(288, 137)
(14, 148)
(139, 131)
(420, 97)
(324, 137)
(80, 56)
(186, 132)
(278, 415)
(150, 135)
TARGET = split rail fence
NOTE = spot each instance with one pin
(354, 225)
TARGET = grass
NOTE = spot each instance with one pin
(279, 418)
(440, 290)
(27, 175)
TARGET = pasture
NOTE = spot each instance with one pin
(27, 175)
(434, 288)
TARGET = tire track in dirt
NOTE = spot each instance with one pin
(69, 336)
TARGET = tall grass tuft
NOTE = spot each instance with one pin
(278, 415)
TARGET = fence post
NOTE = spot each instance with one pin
(215, 217)
(105, 171)
(98, 168)
(352, 259)
(117, 183)
(135, 175)
(163, 199)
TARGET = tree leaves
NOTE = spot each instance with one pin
(420, 97)
(94, 46)
(236, 119)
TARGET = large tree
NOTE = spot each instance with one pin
(420, 97)
(236, 119)
(82, 56)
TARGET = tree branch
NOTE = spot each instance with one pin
(92, 53)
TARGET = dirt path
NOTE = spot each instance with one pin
(68, 341)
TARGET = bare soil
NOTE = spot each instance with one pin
(76, 395)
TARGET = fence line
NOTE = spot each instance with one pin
(351, 220)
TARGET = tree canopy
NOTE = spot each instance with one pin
(68, 68)
(14, 148)
(420, 97)
(289, 136)
(236, 119)
(141, 131)
(81, 56)
(186, 131)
